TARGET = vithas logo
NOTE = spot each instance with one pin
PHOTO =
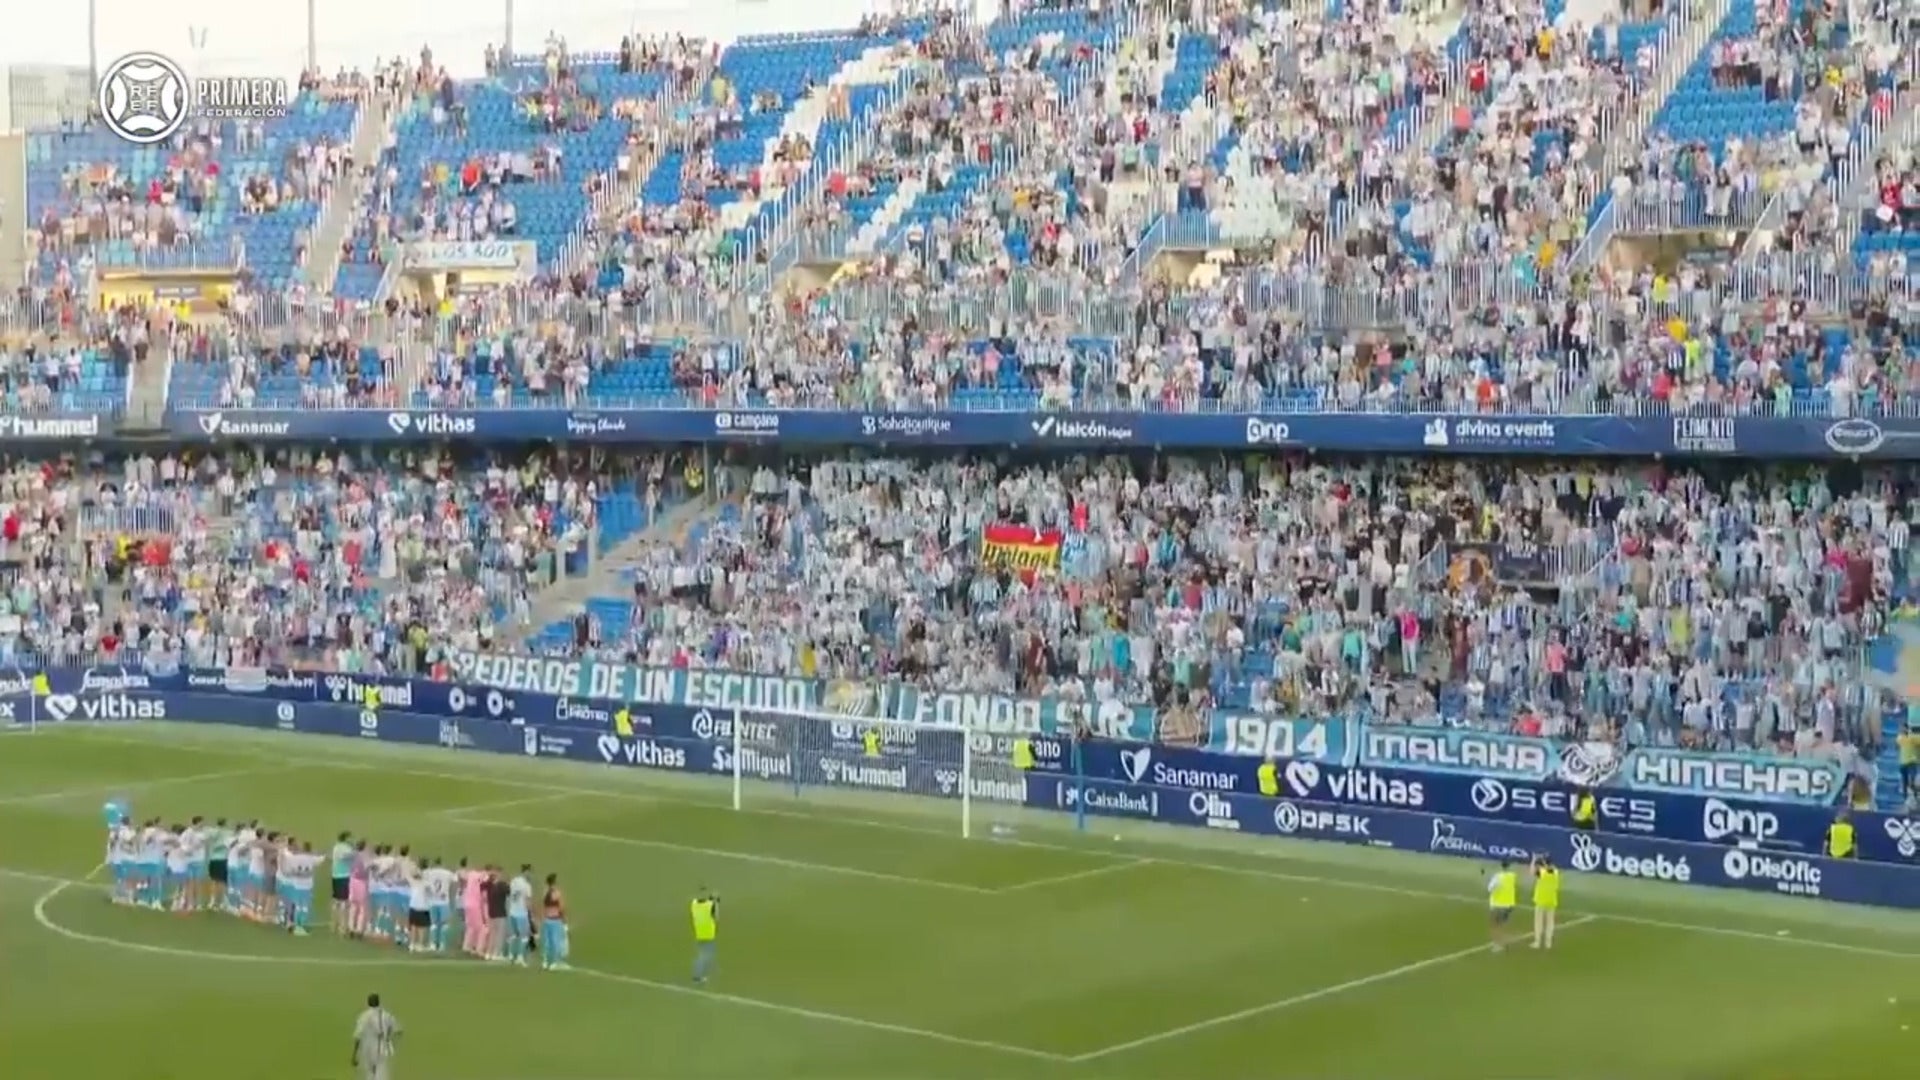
(107, 707)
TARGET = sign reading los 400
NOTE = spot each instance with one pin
(145, 98)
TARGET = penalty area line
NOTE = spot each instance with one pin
(1077, 875)
(1301, 999)
(824, 1017)
(739, 856)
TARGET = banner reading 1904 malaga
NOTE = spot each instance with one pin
(1365, 432)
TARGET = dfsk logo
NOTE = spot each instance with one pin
(1589, 855)
(1290, 819)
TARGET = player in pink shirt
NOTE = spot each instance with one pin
(473, 910)
(357, 892)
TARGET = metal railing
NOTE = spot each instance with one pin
(618, 192)
(1688, 29)
(1659, 208)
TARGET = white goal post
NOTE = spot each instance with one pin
(813, 751)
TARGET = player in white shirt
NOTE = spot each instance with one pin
(419, 910)
(248, 864)
(193, 840)
(151, 864)
(297, 867)
(176, 848)
(520, 915)
(441, 883)
(123, 853)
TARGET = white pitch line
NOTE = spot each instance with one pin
(105, 790)
(1300, 999)
(61, 885)
(1078, 875)
(825, 1017)
(1037, 845)
(740, 856)
(488, 807)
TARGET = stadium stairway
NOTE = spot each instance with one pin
(876, 66)
(150, 384)
(13, 212)
(348, 199)
(876, 228)
(620, 536)
(622, 190)
(1693, 26)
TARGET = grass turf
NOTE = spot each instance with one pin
(863, 937)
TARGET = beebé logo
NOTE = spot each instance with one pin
(1720, 821)
(1905, 835)
(1134, 763)
(1590, 855)
(1795, 877)
(1302, 777)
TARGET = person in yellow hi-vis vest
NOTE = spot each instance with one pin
(871, 740)
(1023, 754)
(1840, 838)
(1546, 901)
(370, 699)
(623, 722)
(1269, 776)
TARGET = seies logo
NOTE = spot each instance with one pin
(1589, 856)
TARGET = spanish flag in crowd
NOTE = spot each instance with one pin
(1021, 547)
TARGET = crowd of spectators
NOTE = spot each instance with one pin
(354, 560)
(1722, 607)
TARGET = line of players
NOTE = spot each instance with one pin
(377, 891)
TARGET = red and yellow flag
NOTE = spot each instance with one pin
(1021, 547)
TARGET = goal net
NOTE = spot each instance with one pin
(788, 754)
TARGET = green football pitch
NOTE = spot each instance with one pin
(864, 938)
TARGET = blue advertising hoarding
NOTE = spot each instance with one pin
(1683, 816)
(1611, 854)
(1364, 432)
(1385, 811)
